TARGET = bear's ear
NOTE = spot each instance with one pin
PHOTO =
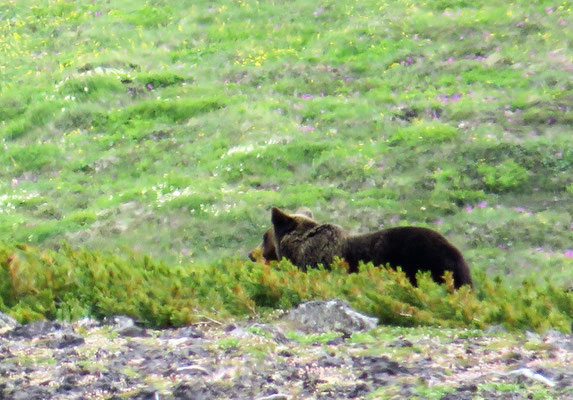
(282, 222)
(305, 211)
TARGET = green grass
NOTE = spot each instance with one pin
(172, 127)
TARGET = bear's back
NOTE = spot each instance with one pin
(411, 248)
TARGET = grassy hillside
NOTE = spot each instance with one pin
(171, 128)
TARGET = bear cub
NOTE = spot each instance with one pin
(305, 242)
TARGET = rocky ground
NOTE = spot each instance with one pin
(279, 359)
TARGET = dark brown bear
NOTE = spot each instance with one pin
(305, 242)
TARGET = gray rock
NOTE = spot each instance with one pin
(185, 332)
(125, 326)
(132, 331)
(559, 339)
(120, 321)
(532, 336)
(31, 393)
(39, 329)
(401, 343)
(495, 329)
(148, 393)
(58, 335)
(65, 339)
(87, 323)
(277, 396)
(7, 321)
(328, 316)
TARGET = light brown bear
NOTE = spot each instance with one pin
(305, 242)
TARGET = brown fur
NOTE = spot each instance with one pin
(305, 242)
(267, 247)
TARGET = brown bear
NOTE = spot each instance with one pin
(305, 242)
(267, 247)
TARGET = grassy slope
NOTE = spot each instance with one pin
(172, 127)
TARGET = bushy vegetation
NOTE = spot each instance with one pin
(172, 128)
(71, 284)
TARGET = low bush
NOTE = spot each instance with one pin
(70, 284)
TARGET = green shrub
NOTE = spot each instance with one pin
(170, 110)
(160, 79)
(90, 86)
(34, 157)
(424, 133)
(70, 284)
(505, 176)
(81, 217)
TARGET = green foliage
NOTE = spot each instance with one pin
(505, 176)
(90, 87)
(175, 126)
(33, 157)
(81, 217)
(160, 79)
(145, 16)
(170, 111)
(70, 284)
(424, 133)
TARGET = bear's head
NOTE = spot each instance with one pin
(285, 224)
(268, 248)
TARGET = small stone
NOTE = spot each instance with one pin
(146, 394)
(187, 332)
(359, 390)
(401, 343)
(495, 329)
(120, 321)
(230, 327)
(532, 336)
(31, 393)
(66, 339)
(277, 396)
(132, 331)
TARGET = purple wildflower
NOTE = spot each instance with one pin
(568, 253)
